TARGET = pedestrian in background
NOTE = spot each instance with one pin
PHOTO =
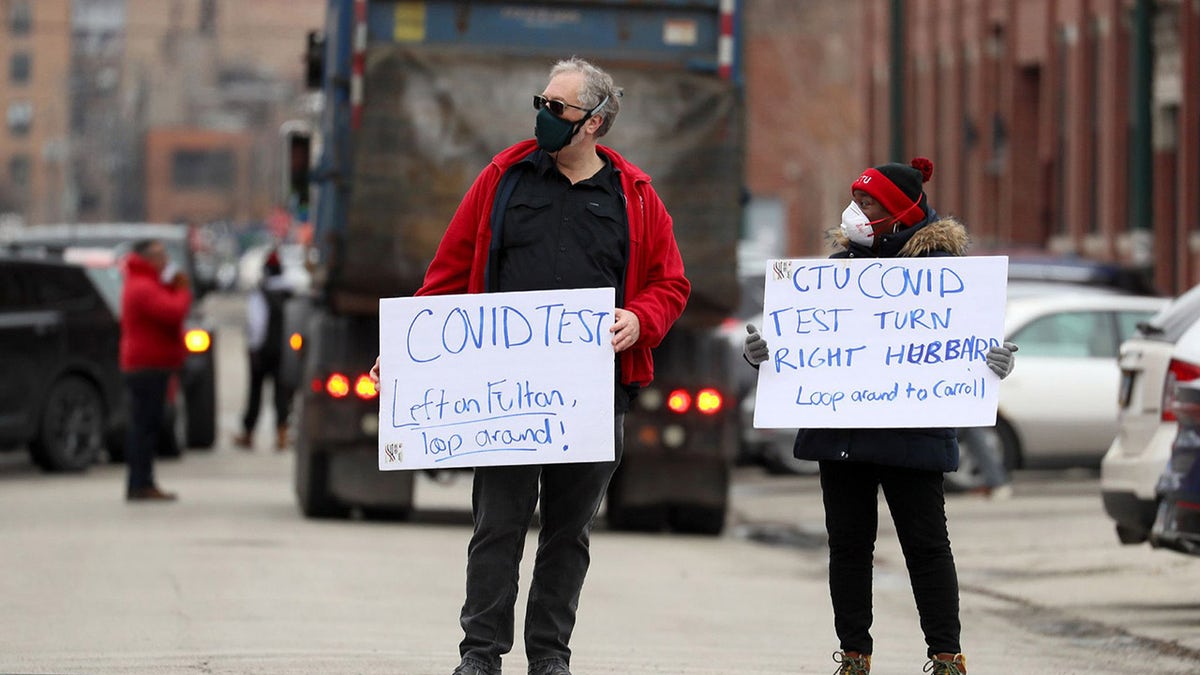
(890, 217)
(556, 212)
(987, 452)
(155, 299)
(264, 342)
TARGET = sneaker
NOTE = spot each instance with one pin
(852, 663)
(946, 664)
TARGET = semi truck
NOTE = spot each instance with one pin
(415, 99)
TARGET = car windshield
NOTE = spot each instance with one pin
(108, 281)
(1171, 323)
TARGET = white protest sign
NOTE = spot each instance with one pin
(896, 342)
(496, 379)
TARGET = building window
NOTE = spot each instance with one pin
(19, 169)
(20, 67)
(20, 118)
(203, 169)
(20, 17)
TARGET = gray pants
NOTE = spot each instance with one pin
(502, 504)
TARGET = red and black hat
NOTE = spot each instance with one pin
(898, 188)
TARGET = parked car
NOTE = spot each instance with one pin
(1165, 351)
(1059, 404)
(1177, 523)
(61, 394)
(197, 414)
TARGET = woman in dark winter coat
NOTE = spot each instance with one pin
(890, 217)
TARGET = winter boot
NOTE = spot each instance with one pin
(946, 664)
(852, 663)
(244, 441)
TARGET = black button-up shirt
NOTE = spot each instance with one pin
(558, 235)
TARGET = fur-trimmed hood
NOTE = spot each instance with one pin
(936, 236)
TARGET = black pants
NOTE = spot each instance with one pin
(917, 502)
(502, 503)
(262, 366)
(147, 402)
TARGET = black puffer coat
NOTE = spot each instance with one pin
(931, 449)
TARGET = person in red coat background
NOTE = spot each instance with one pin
(154, 302)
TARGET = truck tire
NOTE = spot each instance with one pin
(312, 486)
(201, 412)
(697, 519)
(72, 428)
(631, 518)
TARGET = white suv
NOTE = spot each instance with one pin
(1165, 351)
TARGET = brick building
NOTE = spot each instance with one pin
(806, 115)
(35, 56)
(1030, 109)
(200, 176)
(218, 72)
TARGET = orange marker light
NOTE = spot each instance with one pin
(296, 341)
(197, 340)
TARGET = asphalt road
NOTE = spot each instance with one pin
(231, 579)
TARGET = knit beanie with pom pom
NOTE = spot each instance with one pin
(898, 188)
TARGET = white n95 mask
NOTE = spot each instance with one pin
(857, 227)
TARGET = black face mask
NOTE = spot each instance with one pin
(553, 133)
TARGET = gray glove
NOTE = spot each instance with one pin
(755, 347)
(1001, 360)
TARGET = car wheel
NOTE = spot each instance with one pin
(970, 472)
(173, 437)
(694, 519)
(201, 429)
(1013, 458)
(71, 433)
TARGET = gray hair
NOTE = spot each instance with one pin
(597, 85)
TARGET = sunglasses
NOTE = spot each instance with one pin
(555, 106)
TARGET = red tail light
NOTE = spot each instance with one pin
(1178, 371)
(364, 388)
(679, 401)
(337, 385)
(709, 401)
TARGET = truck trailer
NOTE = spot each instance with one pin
(415, 99)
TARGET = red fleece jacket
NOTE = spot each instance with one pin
(152, 316)
(655, 287)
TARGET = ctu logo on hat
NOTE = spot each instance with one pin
(899, 190)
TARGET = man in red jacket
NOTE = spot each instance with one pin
(152, 313)
(556, 212)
